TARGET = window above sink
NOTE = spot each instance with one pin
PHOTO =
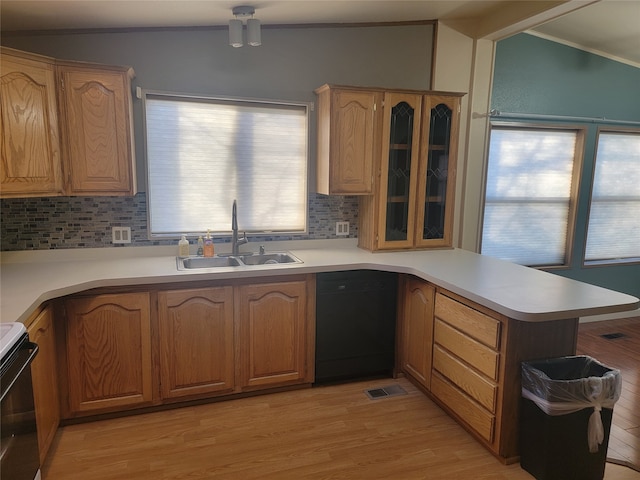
(204, 152)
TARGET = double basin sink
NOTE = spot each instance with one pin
(190, 263)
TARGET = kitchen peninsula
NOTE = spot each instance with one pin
(465, 321)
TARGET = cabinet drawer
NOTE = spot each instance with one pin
(474, 384)
(481, 357)
(469, 411)
(472, 322)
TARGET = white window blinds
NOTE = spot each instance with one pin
(204, 153)
(528, 199)
(614, 216)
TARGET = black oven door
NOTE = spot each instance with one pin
(19, 456)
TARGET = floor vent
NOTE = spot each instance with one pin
(389, 391)
(613, 336)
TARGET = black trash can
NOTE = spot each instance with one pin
(565, 417)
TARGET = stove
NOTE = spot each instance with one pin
(19, 456)
(10, 334)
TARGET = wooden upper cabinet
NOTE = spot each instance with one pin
(66, 127)
(413, 201)
(196, 331)
(29, 136)
(347, 131)
(97, 133)
(108, 353)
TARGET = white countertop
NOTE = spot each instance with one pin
(29, 278)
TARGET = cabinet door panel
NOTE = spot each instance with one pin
(45, 380)
(196, 341)
(29, 141)
(398, 180)
(109, 352)
(417, 330)
(353, 149)
(272, 333)
(347, 135)
(98, 130)
(436, 184)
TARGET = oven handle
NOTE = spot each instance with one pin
(6, 386)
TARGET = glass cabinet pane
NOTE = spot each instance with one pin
(437, 172)
(399, 172)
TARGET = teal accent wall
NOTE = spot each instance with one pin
(534, 75)
(537, 76)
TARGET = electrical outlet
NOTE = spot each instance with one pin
(342, 229)
(121, 234)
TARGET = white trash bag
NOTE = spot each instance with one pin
(561, 386)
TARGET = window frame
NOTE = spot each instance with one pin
(581, 132)
(614, 261)
(243, 101)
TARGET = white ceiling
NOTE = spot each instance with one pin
(609, 27)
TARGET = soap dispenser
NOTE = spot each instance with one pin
(200, 250)
(183, 247)
(208, 246)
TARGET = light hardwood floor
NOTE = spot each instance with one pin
(333, 432)
(622, 353)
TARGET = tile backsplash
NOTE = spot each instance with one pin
(85, 222)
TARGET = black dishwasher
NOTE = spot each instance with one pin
(355, 324)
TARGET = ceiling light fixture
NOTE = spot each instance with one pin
(253, 27)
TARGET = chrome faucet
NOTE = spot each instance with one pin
(235, 241)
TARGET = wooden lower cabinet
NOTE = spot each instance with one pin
(108, 353)
(196, 332)
(123, 351)
(416, 329)
(273, 334)
(468, 359)
(45, 379)
(466, 364)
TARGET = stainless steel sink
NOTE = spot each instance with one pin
(268, 258)
(206, 262)
(248, 259)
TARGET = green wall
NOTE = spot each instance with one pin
(537, 76)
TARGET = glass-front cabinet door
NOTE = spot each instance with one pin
(412, 205)
(399, 172)
(436, 178)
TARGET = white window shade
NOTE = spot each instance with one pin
(204, 153)
(614, 216)
(528, 199)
